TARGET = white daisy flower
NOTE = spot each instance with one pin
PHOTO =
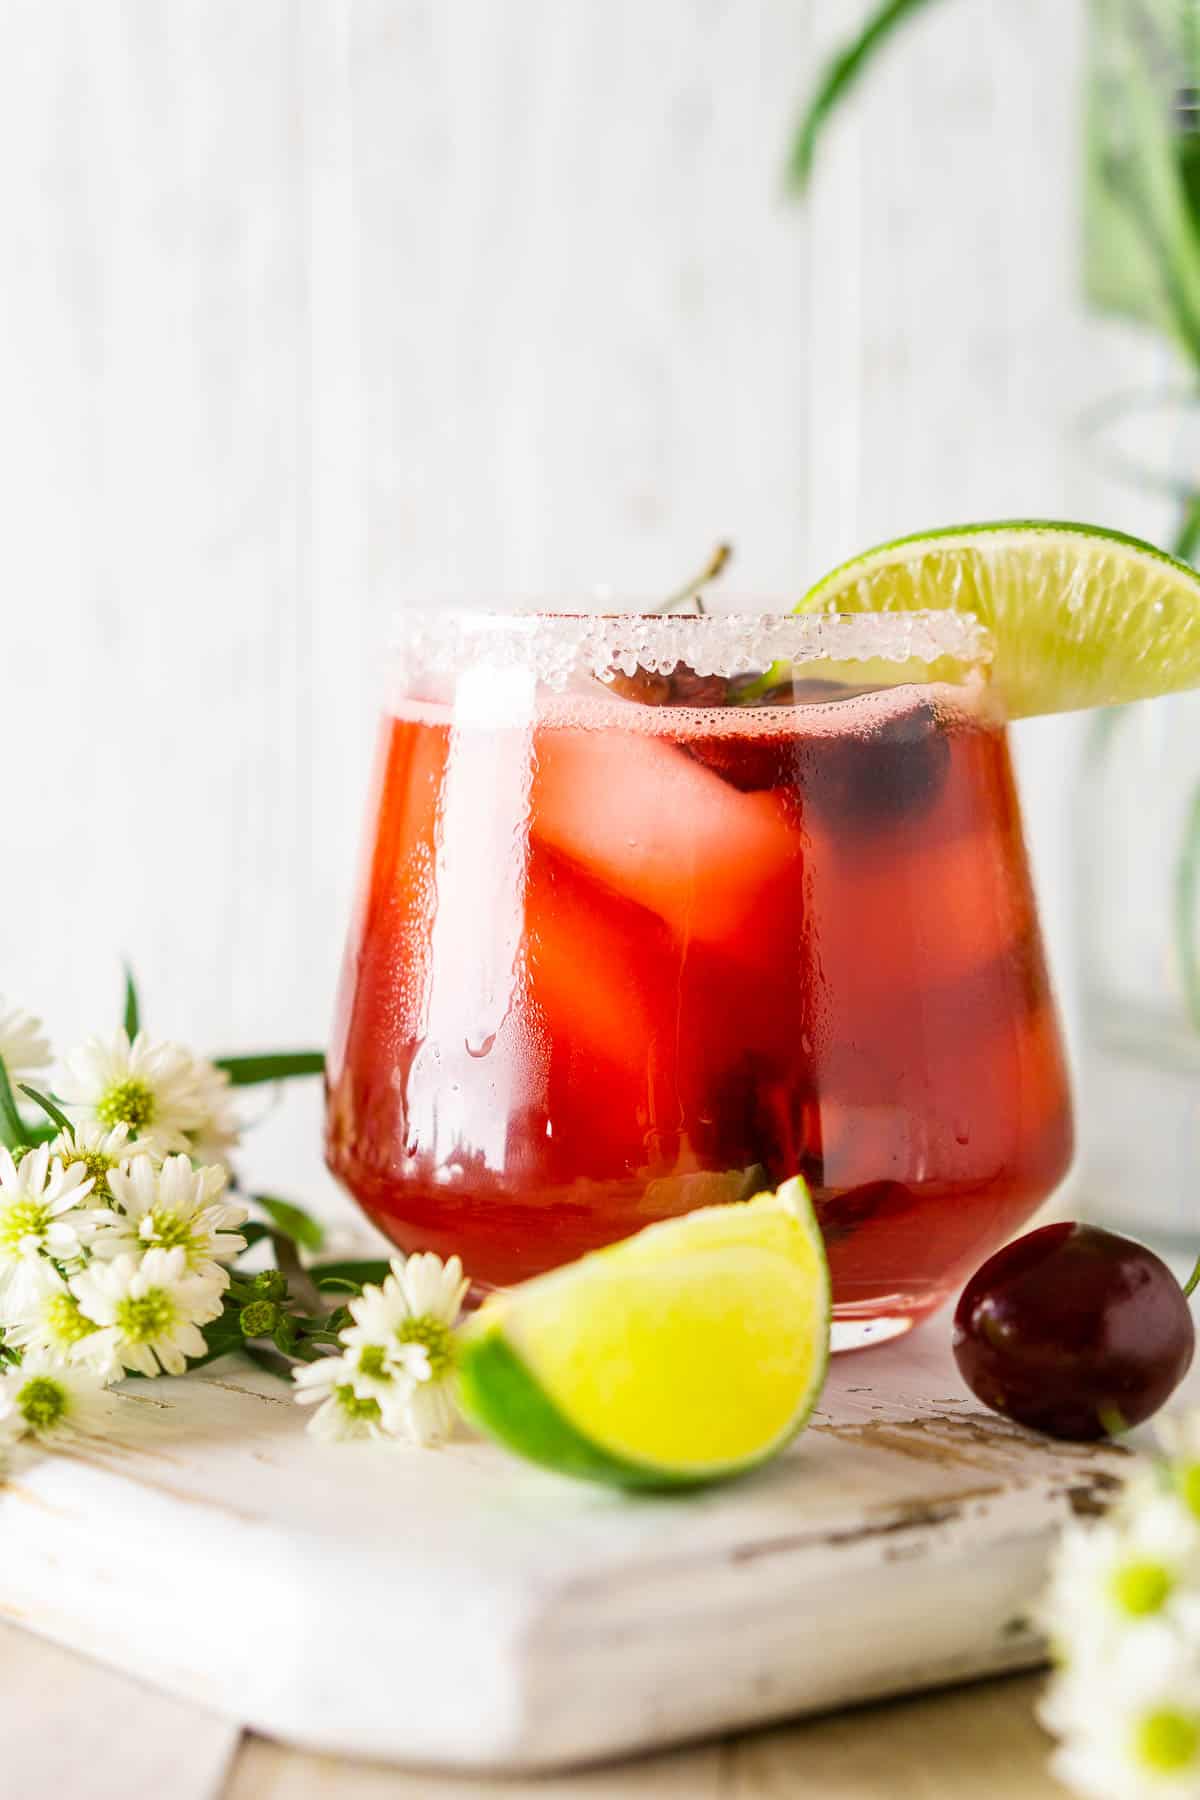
(218, 1131)
(1180, 1439)
(1121, 1574)
(417, 1306)
(46, 1398)
(40, 1214)
(387, 1373)
(99, 1150)
(149, 1311)
(1136, 1734)
(428, 1414)
(342, 1413)
(169, 1208)
(50, 1319)
(174, 1101)
(24, 1048)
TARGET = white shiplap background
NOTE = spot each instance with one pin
(313, 308)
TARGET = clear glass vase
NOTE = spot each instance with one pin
(1138, 870)
(1138, 815)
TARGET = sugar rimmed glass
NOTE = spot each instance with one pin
(659, 910)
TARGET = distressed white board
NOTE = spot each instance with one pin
(459, 1608)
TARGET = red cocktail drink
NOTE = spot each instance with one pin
(634, 938)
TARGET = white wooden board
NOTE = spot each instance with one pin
(459, 1608)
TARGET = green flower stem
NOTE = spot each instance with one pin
(1189, 1286)
(300, 1282)
(242, 1293)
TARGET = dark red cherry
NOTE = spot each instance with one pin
(1074, 1331)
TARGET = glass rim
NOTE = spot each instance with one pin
(557, 644)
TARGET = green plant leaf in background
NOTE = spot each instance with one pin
(357, 1271)
(1142, 249)
(292, 1221)
(133, 1011)
(1142, 152)
(838, 78)
(12, 1131)
(245, 1071)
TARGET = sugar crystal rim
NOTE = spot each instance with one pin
(557, 646)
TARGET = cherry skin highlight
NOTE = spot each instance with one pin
(1074, 1331)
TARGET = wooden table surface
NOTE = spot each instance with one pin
(80, 1732)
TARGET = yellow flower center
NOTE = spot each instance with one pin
(354, 1406)
(129, 1102)
(434, 1336)
(22, 1219)
(64, 1321)
(95, 1167)
(371, 1362)
(1167, 1740)
(1140, 1588)
(1188, 1481)
(168, 1232)
(151, 1315)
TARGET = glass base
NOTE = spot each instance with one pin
(862, 1326)
(861, 1334)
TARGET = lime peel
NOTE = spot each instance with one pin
(1081, 616)
(687, 1354)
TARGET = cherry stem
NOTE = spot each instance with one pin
(1192, 1280)
(691, 591)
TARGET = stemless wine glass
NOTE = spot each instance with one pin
(661, 910)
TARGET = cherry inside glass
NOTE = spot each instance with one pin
(658, 912)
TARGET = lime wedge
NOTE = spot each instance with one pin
(686, 1354)
(1080, 616)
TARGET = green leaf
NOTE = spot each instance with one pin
(12, 1132)
(222, 1335)
(133, 1012)
(282, 1065)
(268, 1360)
(47, 1105)
(361, 1273)
(338, 1284)
(254, 1232)
(1141, 240)
(836, 81)
(1186, 541)
(293, 1221)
